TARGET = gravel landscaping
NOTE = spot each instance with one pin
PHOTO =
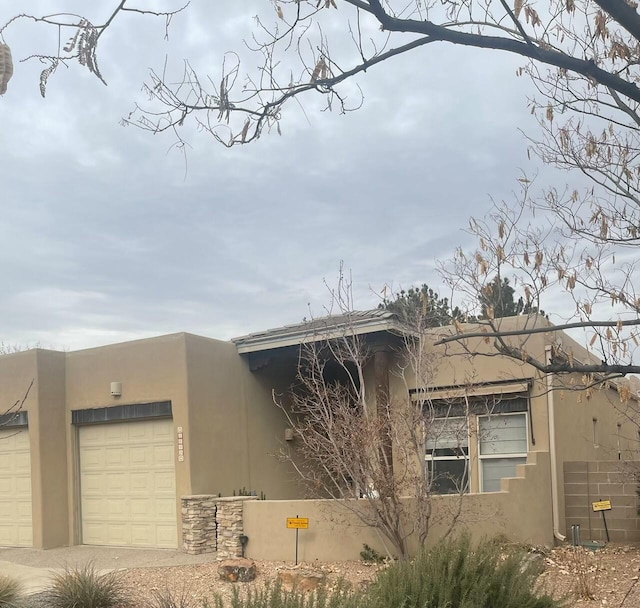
(609, 575)
(605, 578)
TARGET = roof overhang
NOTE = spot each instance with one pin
(331, 327)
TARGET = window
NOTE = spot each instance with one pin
(502, 441)
(448, 455)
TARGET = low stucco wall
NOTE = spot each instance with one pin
(521, 512)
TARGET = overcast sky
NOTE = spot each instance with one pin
(105, 237)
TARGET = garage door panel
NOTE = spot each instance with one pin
(116, 457)
(165, 535)
(163, 433)
(93, 509)
(93, 458)
(92, 533)
(6, 462)
(141, 457)
(114, 433)
(23, 463)
(166, 507)
(117, 482)
(25, 536)
(136, 489)
(8, 510)
(141, 533)
(92, 483)
(163, 455)
(164, 484)
(15, 488)
(141, 482)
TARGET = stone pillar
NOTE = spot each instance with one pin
(230, 526)
(199, 524)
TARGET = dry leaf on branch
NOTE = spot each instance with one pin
(44, 76)
(517, 7)
(321, 71)
(6, 67)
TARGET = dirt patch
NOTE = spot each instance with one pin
(608, 577)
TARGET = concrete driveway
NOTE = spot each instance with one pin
(35, 567)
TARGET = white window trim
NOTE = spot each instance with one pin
(482, 457)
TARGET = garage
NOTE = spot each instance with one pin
(15, 488)
(127, 484)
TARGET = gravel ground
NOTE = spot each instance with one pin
(200, 582)
(606, 578)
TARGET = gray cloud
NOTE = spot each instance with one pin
(103, 238)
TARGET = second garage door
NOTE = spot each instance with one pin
(15, 488)
(127, 484)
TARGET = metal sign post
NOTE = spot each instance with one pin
(602, 506)
(297, 523)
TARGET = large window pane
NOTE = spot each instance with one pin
(447, 446)
(449, 476)
(494, 469)
(503, 434)
(447, 437)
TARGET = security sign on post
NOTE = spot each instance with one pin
(602, 506)
(297, 523)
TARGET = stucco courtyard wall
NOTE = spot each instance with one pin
(521, 512)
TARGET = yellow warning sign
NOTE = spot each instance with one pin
(601, 505)
(302, 523)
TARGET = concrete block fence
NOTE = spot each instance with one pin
(588, 482)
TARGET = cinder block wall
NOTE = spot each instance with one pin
(588, 482)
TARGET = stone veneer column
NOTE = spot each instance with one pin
(229, 525)
(199, 524)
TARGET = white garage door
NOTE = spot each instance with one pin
(127, 484)
(15, 488)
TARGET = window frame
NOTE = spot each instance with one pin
(507, 456)
(430, 458)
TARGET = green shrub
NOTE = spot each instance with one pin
(370, 555)
(456, 575)
(86, 588)
(10, 592)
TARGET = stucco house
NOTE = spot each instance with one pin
(109, 439)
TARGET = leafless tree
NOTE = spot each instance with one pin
(369, 448)
(574, 267)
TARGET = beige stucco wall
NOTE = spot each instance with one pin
(521, 512)
(235, 427)
(49, 463)
(45, 409)
(150, 370)
(231, 427)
